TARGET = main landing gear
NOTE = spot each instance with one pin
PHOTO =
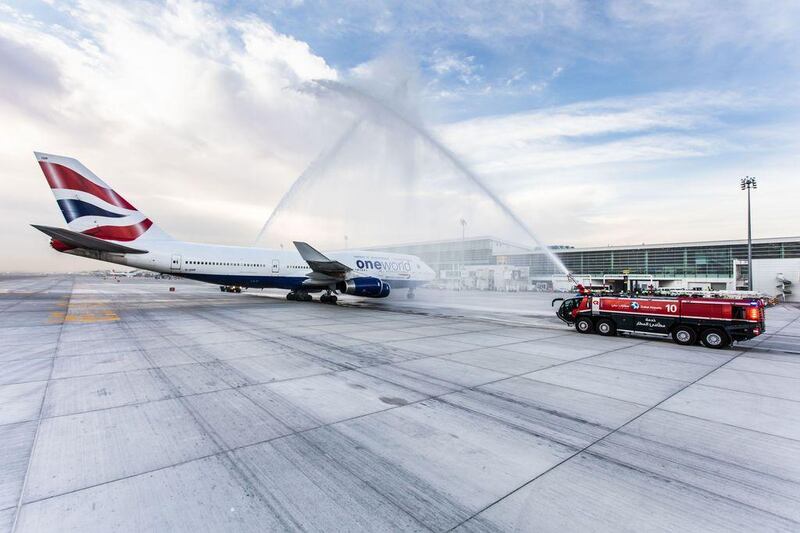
(328, 298)
(410, 294)
(300, 296)
(303, 296)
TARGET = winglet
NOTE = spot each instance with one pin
(318, 261)
(308, 252)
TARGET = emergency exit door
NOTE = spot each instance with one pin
(276, 266)
(176, 262)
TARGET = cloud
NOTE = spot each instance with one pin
(461, 66)
(656, 126)
(659, 167)
(659, 126)
(744, 24)
(162, 100)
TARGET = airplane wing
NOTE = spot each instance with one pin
(319, 263)
(81, 240)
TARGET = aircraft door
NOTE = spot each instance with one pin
(175, 264)
(276, 266)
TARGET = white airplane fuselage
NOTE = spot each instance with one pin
(264, 268)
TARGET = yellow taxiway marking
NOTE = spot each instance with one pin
(84, 312)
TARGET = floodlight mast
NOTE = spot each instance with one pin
(747, 183)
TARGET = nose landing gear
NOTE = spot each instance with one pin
(227, 288)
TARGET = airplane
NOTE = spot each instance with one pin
(102, 225)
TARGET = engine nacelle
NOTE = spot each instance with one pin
(369, 287)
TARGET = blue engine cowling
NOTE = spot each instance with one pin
(369, 287)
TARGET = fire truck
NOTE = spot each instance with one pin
(715, 322)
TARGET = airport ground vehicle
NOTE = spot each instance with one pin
(715, 322)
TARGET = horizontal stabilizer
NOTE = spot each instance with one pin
(81, 240)
(319, 262)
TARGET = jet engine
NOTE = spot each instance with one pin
(368, 286)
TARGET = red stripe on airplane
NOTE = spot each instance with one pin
(120, 233)
(60, 246)
(61, 177)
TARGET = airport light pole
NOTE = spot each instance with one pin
(748, 183)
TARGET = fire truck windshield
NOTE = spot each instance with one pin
(565, 311)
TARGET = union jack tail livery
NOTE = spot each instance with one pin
(91, 207)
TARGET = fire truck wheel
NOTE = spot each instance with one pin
(684, 335)
(606, 327)
(714, 338)
(584, 325)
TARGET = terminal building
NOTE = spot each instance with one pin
(489, 263)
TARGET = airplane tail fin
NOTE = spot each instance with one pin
(91, 207)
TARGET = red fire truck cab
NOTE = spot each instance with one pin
(715, 322)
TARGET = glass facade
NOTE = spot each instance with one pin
(711, 260)
(704, 261)
(452, 255)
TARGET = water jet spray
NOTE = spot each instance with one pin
(382, 107)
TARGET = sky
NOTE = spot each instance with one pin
(617, 122)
